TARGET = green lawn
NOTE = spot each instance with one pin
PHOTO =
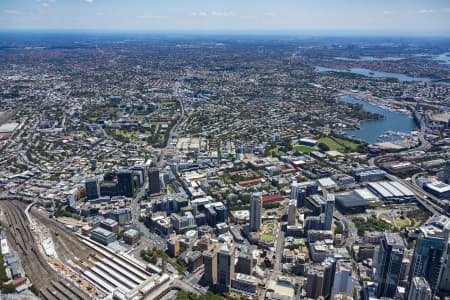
(93, 119)
(267, 237)
(167, 104)
(304, 149)
(338, 144)
(346, 143)
(331, 144)
(170, 189)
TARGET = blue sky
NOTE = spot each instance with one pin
(344, 16)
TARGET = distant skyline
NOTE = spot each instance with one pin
(380, 17)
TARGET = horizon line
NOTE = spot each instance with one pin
(256, 32)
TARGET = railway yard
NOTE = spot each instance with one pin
(79, 268)
(50, 282)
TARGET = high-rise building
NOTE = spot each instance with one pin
(125, 183)
(225, 267)
(154, 183)
(92, 188)
(447, 172)
(343, 281)
(428, 251)
(315, 282)
(389, 264)
(329, 271)
(255, 212)
(173, 247)
(210, 262)
(444, 273)
(320, 279)
(419, 289)
(298, 193)
(292, 212)
(245, 261)
(329, 209)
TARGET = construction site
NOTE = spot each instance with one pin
(65, 265)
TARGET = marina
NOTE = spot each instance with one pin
(395, 125)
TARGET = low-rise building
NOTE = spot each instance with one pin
(110, 225)
(131, 236)
(244, 283)
(103, 236)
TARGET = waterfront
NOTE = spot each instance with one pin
(443, 58)
(369, 58)
(370, 131)
(373, 74)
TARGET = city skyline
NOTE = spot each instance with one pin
(321, 17)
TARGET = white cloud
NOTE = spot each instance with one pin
(199, 14)
(222, 13)
(46, 3)
(213, 14)
(88, 1)
(387, 12)
(426, 11)
(11, 12)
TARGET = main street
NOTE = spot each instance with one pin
(181, 120)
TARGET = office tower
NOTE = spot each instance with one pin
(92, 188)
(210, 262)
(329, 209)
(154, 183)
(429, 249)
(315, 282)
(125, 183)
(255, 212)
(343, 281)
(419, 289)
(447, 172)
(329, 270)
(389, 264)
(108, 189)
(298, 193)
(173, 247)
(313, 223)
(225, 267)
(444, 273)
(138, 178)
(211, 215)
(245, 261)
(292, 212)
(294, 190)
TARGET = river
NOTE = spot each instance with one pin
(374, 74)
(369, 58)
(370, 130)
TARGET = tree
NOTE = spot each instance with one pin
(324, 147)
(34, 289)
(8, 288)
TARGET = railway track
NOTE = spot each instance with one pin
(67, 242)
(34, 264)
(50, 283)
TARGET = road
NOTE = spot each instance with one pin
(350, 228)
(180, 120)
(279, 251)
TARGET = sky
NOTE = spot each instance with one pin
(409, 17)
